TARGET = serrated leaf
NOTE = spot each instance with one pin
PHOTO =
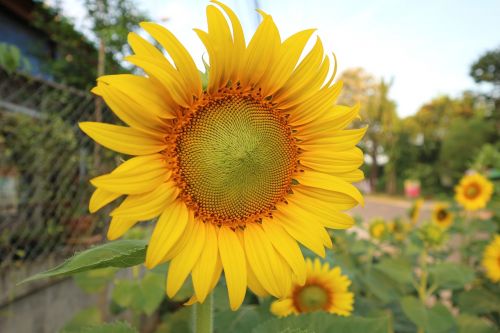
(321, 322)
(241, 321)
(468, 323)
(152, 292)
(116, 327)
(95, 280)
(438, 319)
(120, 254)
(478, 301)
(450, 275)
(84, 318)
(400, 269)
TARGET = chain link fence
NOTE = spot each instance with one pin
(45, 165)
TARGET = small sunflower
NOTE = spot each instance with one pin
(378, 229)
(473, 192)
(414, 211)
(441, 215)
(398, 229)
(491, 260)
(238, 172)
(325, 289)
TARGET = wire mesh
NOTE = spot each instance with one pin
(45, 165)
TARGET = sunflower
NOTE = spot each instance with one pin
(414, 211)
(441, 215)
(325, 289)
(398, 229)
(378, 229)
(473, 192)
(491, 260)
(238, 172)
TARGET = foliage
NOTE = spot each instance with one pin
(11, 59)
(487, 68)
(73, 60)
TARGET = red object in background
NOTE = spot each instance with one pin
(412, 188)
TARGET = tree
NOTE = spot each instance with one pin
(487, 70)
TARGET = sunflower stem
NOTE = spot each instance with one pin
(203, 316)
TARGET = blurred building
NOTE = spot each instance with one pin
(17, 28)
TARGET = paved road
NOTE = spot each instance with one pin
(388, 208)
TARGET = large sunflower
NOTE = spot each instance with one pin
(237, 172)
(473, 192)
(325, 289)
(441, 215)
(491, 260)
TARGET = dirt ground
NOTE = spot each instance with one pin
(388, 208)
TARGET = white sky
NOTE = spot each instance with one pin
(426, 46)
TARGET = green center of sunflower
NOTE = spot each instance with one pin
(236, 157)
(472, 191)
(311, 298)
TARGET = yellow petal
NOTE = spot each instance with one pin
(336, 200)
(300, 232)
(305, 73)
(239, 46)
(118, 227)
(327, 214)
(207, 263)
(282, 307)
(330, 161)
(169, 77)
(126, 140)
(330, 183)
(269, 268)
(287, 247)
(254, 284)
(263, 47)
(305, 219)
(234, 264)
(148, 173)
(143, 94)
(167, 231)
(285, 62)
(336, 119)
(337, 140)
(181, 57)
(183, 263)
(144, 207)
(101, 198)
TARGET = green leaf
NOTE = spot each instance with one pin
(241, 321)
(320, 322)
(116, 327)
(450, 275)
(96, 280)
(438, 319)
(143, 295)
(152, 292)
(384, 288)
(468, 323)
(478, 301)
(122, 253)
(84, 318)
(399, 269)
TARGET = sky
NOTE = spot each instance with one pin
(426, 47)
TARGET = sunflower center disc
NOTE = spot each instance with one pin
(236, 158)
(472, 191)
(442, 214)
(312, 298)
